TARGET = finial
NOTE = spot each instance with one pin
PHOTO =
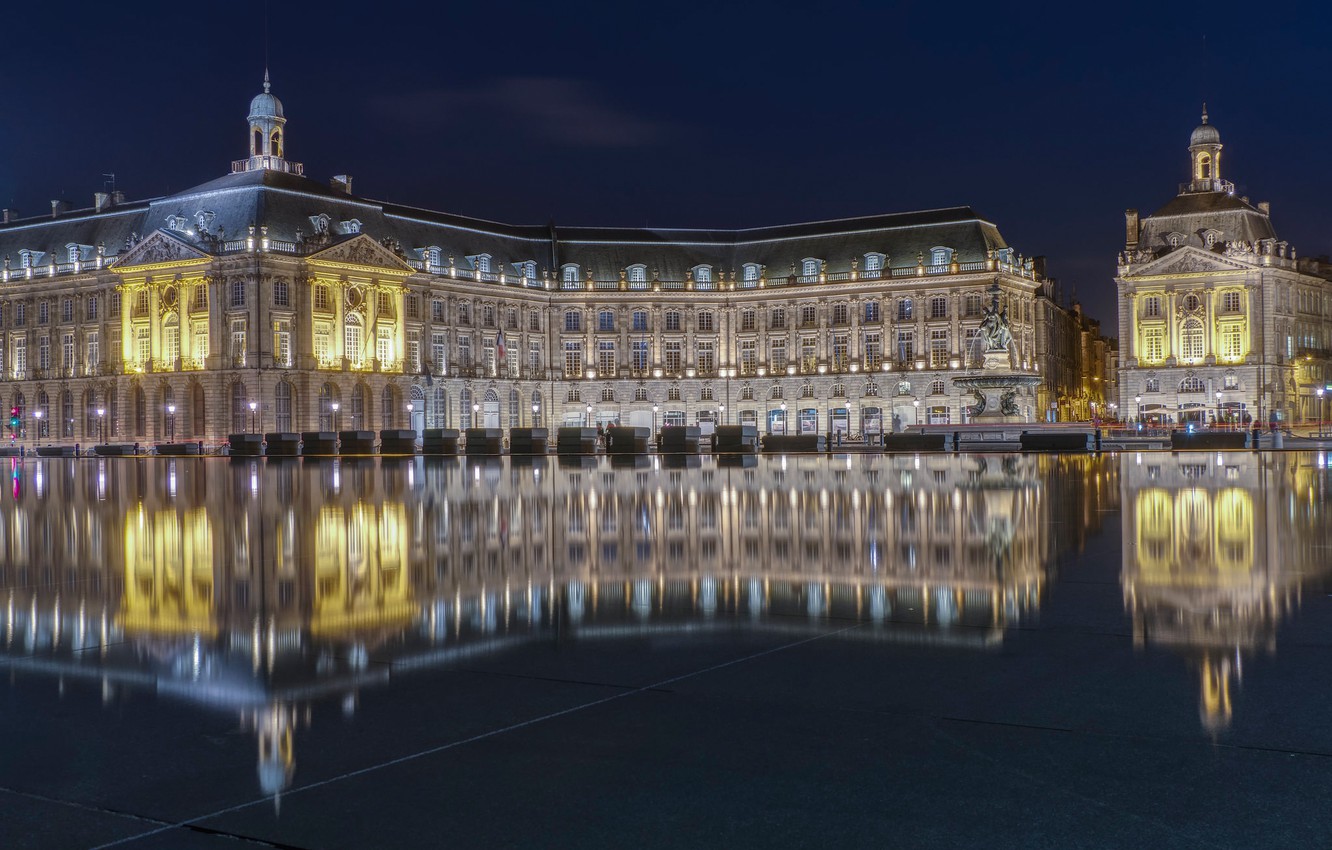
(1204, 111)
(266, 87)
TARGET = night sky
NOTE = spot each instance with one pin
(1047, 121)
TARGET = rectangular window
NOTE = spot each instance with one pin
(282, 344)
(706, 322)
(200, 348)
(872, 314)
(238, 342)
(939, 349)
(143, 350)
(412, 304)
(747, 320)
(414, 352)
(383, 303)
(642, 354)
(439, 351)
(906, 347)
(67, 310)
(809, 354)
(1231, 302)
(808, 316)
(91, 305)
(20, 358)
(384, 347)
(778, 358)
(605, 321)
(281, 295)
(1151, 307)
(199, 302)
(464, 313)
(115, 299)
(437, 310)
(1232, 341)
(465, 352)
(534, 357)
(707, 357)
(67, 352)
(573, 322)
(873, 351)
(938, 307)
(534, 321)
(93, 348)
(640, 320)
(20, 314)
(171, 345)
(973, 305)
(605, 358)
(573, 359)
(672, 320)
(748, 356)
(44, 353)
(238, 293)
(43, 312)
(778, 322)
(1153, 346)
(488, 358)
(672, 357)
(841, 358)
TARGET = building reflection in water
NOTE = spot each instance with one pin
(262, 588)
(1216, 550)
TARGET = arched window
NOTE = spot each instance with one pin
(776, 392)
(937, 387)
(573, 321)
(838, 391)
(44, 420)
(606, 320)
(282, 406)
(569, 274)
(705, 394)
(1205, 167)
(1192, 384)
(139, 403)
(807, 391)
(359, 407)
(607, 394)
(904, 388)
(465, 408)
(257, 144)
(809, 268)
(640, 394)
(166, 420)
(197, 410)
(673, 393)
(275, 143)
(240, 411)
(1191, 340)
(388, 408)
(328, 396)
(1152, 385)
(871, 388)
(746, 393)
(353, 339)
(537, 417)
(637, 274)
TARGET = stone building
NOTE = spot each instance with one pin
(1219, 320)
(264, 300)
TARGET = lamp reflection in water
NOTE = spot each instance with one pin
(263, 608)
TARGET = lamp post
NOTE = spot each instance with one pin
(475, 410)
(254, 405)
(1319, 392)
(589, 416)
(333, 406)
(171, 423)
(654, 422)
(1137, 413)
(916, 404)
(536, 410)
(410, 422)
(785, 430)
(1218, 408)
(721, 409)
(37, 414)
(101, 425)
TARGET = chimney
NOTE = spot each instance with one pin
(10, 215)
(101, 201)
(117, 197)
(1131, 228)
(342, 183)
(1265, 207)
(1038, 266)
(58, 208)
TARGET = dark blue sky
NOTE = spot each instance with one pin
(1048, 121)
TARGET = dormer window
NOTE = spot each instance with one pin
(73, 253)
(526, 269)
(481, 263)
(203, 219)
(809, 269)
(1174, 240)
(432, 257)
(320, 223)
(569, 274)
(637, 273)
(351, 226)
(750, 273)
(27, 259)
(1211, 237)
(940, 256)
(703, 276)
(177, 223)
(873, 264)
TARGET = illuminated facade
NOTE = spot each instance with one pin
(165, 319)
(1216, 551)
(1218, 318)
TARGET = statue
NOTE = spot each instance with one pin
(974, 410)
(994, 327)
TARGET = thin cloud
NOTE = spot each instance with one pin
(551, 109)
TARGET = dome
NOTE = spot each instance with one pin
(265, 105)
(1203, 134)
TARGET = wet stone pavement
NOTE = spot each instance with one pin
(905, 651)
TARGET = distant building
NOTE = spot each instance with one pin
(1218, 319)
(168, 318)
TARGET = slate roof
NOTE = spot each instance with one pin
(285, 203)
(1192, 213)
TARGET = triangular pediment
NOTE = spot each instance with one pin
(159, 247)
(361, 250)
(1189, 260)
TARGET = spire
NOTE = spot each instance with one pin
(267, 86)
(1204, 102)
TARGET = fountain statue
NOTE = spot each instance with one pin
(997, 387)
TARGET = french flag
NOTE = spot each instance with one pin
(500, 350)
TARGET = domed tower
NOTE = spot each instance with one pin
(1205, 157)
(268, 135)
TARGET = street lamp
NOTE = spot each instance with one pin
(536, 409)
(1137, 414)
(1218, 408)
(916, 404)
(722, 410)
(655, 408)
(101, 424)
(785, 430)
(589, 416)
(37, 414)
(333, 406)
(171, 423)
(253, 406)
(1319, 392)
(475, 408)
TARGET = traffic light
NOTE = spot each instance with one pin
(14, 421)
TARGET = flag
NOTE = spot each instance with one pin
(499, 347)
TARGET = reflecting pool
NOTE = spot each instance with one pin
(265, 649)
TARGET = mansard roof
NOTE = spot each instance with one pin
(288, 204)
(1194, 213)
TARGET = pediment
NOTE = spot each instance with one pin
(159, 247)
(1189, 261)
(361, 250)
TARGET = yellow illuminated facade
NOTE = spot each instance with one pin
(1220, 322)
